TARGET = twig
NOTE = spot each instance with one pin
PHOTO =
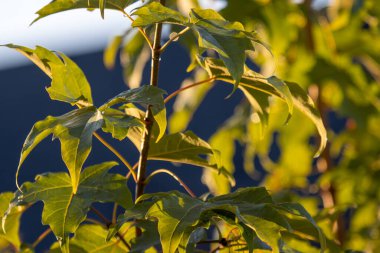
(113, 150)
(173, 175)
(155, 63)
(175, 93)
(114, 213)
(174, 38)
(41, 237)
(143, 33)
(134, 169)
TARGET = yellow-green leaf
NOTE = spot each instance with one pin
(63, 210)
(74, 130)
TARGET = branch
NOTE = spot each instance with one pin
(174, 38)
(155, 63)
(143, 33)
(173, 175)
(175, 93)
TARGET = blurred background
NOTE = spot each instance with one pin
(331, 48)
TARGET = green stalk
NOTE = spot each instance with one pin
(156, 53)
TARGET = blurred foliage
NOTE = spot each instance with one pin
(333, 51)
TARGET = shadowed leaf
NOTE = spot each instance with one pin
(63, 210)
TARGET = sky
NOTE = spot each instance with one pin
(70, 32)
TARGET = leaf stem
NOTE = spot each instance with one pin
(175, 93)
(101, 216)
(174, 38)
(41, 237)
(133, 169)
(156, 53)
(108, 223)
(118, 155)
(96, 222)
(173, 175)
(143, 33)
(114, 213)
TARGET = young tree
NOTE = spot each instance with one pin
(305, 45)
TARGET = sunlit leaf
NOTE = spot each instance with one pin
(10, 229)
(154, 12)
(271, 86)
(69, 84)
(63, 210)
(74, 131)
(186, 148)
(57, 6)
(229, 39)
(118, 123)
(179, 216)
(39, 56)
(146, 95)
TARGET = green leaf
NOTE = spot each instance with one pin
(63, 210)
(74, 130)
(146, 95)
(186, 148)
(230, 40)
(102, 6)
(154, 12)
(57, 6)
(252, 81)
(118, 123)
(179, 216)
(176, 213)
(91, 238)
(10, 228)
(69, 84)
(149, 236)
(39, 56)
(301, 211)
(83, 243)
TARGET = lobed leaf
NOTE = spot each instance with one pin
(74, 130)
(291, 93)
(155, 12)
(69, 84)
(118, 123)
(187, 148)
(57, 6)
(63, 210)
(179, 216)
(10, 229)
(229, 39)
(148, 96)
